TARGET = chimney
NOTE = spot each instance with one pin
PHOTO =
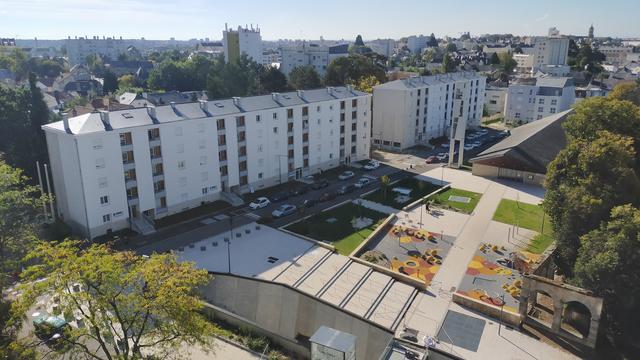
(104, 116)
(65, 122)
(301, 94)
(173, 105)
(236, 101)
(275, 96)
(151, 111)
(330, 90)
(204, 106)
(349, 88)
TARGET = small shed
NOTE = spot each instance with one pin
(332, 344)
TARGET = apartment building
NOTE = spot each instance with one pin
(616, 55)
(316, 55)
(114, 169)
(242, 41)
(79, 48)
(494, 99)
(535, 98)
(411, 111)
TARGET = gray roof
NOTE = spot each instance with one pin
(420, 81)
(333, 339)
(121, 119)
(553, 81)
(530, 147)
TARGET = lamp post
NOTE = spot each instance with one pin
(501, 296)
(442, 175)
(228, 241)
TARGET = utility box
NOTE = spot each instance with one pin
(331, 344)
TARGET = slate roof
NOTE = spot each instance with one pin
(419, 81)
(530, 147)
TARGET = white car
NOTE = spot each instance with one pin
(346, 175)
(442, 156)
(362, 182)
(372, 165)
(469, 146)
(284, 210)
(445, 145)
(483, 131)
(259, 203)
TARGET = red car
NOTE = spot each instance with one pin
(430, 159)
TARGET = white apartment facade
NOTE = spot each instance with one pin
(616, 55)
(494, 99)
(316, 55)
(416, 44)
(411, 111)
(79, 48)
(114, 168)
(242, 41)
(533, 99)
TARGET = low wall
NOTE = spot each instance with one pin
(357, 250)
(490, 310)
(419, 201)
(289, 316)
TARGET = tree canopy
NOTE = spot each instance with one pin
(629, 91)
(273, 80)
(304, 77)
(350, 69)
(131, 306)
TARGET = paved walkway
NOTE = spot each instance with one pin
(376, 206)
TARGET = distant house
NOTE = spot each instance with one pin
(133, 99)
(140, 69)
(78, 79)
(525, 154)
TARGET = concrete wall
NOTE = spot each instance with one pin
(488, 309)
(496, 172)
(290, 314)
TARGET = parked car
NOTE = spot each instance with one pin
(372, 165)
(309, 203)
(49, 327)
(320, 185)
(284, 210)
(445, 145)
(483, 131)
(309, 179)
(362, 182)
(476, 143)
(259, 203)
(326, 197)
(300, 190)
(280, 196)
(346, 175)
(441, 156)
(468, 146)
(430, 160)
(345, 189)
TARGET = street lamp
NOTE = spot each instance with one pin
(228, 241)
(442, 175)
(501, 296)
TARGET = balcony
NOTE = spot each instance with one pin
(129, 165)
(126, 147)
(156, 160)
(130, 183)
(158, 177)
(153, 142)
(160, 193)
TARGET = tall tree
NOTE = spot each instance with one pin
(494, 60)
(367, 83)
(273, 80)
(350, 69)
(237, 78)
(304, 77)
(607, 264)
(448, 64)
(629, 91)
(359, 41)
(132, 306)
(110, 82)
(584, 182)
(432, 42)
(507, 63)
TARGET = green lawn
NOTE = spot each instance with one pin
(443, 199)
(526, 216)
(419, 189)
(341, 233)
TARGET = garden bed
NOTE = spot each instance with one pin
(455, 199)
(418, 188)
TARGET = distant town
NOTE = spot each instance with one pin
(416, 198)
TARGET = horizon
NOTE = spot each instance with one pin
(199, 19)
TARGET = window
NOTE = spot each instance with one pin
(289, 113)
(353, 138)
(158, 186)
(354, 115)
(305, 137)
(554, 102)
(222, 155)
(541, 101)
(275, 129)
(178, 131)
(202, 144)
(540, 109)
(224, 170)
(353, 127)
(242, 136)
(242, 151)
(125, 139)
(130, 175)
(181, 164)
(220, 124)
(290, 127)
(222, 140)
(257, 118)
(342, 117)
(204, 176)
(354, 102)
(183, 181)
(290, 140)
(132, 193)
(100, 163)
(259, 147)
(305, 111)
(239, 121)
(552, 110)
(275, 116)
(305, 163)
(259, 175)
(203, 160)
(97, 143)
(341, 105)
(158, 169)
(102, 182)
(127, 157)
(155, 152)
(397, 144)
(104, 200)
(242, 166)
(353, 149)
(106, 218)
(180, 148)
(244, 180)
(318, 108)
(205, 190)
(200, 128)
(153, 134)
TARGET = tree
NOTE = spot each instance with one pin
(448, 64)
(236, 78)
(304, 77)
(359, 41)
(385, 182)
(432, 42)
(451, 47)
(507, 63)
(629, 91)
(126, 81)
(110, 82)
(273, 80)
(130, 305)
(584, 182)
(494, 60)
(607, 264)
(350, 69)
(367, 83)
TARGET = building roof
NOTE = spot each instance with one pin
(554, 81)
(529, 147)
(420, 81)
(334, 339)
(186, 110)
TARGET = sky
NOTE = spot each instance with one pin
(331, 19)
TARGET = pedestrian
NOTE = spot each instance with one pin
(426, 207)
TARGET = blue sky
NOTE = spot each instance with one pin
(332, 19)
